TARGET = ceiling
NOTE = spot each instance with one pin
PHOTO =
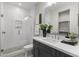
(30, 5)
(26, 5)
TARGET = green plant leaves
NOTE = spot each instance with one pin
(72, 35)
(45, 26)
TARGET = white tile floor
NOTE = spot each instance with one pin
(23, 55)
(19, 53)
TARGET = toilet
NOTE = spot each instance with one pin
(28, 50)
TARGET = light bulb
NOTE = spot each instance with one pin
(19, 4)
(50, 3)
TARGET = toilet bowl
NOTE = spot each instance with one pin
(28, 50)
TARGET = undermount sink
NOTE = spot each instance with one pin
(50, 39)
(57, 39)
(53, 39)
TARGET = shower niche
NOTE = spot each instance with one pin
(64, 22)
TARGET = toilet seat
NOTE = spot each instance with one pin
(28, 48)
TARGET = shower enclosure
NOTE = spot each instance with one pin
(15, 28)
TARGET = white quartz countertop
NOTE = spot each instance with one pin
(54, 43)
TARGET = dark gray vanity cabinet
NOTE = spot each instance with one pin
(42, 50)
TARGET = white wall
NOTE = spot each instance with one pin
(73, 7)
(78, 17)
(0, 29)
(54, 21)
(11, 39)
(40, 8)
(74, 18)
(47, 16)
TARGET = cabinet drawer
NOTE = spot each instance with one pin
(61, 54)
(44, 53)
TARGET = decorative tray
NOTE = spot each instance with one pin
(69, 42)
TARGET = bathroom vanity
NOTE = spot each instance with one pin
(49, 47)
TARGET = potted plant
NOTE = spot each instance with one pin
(49, 28)
(73, 36)
(43, 27)
(72, 40)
